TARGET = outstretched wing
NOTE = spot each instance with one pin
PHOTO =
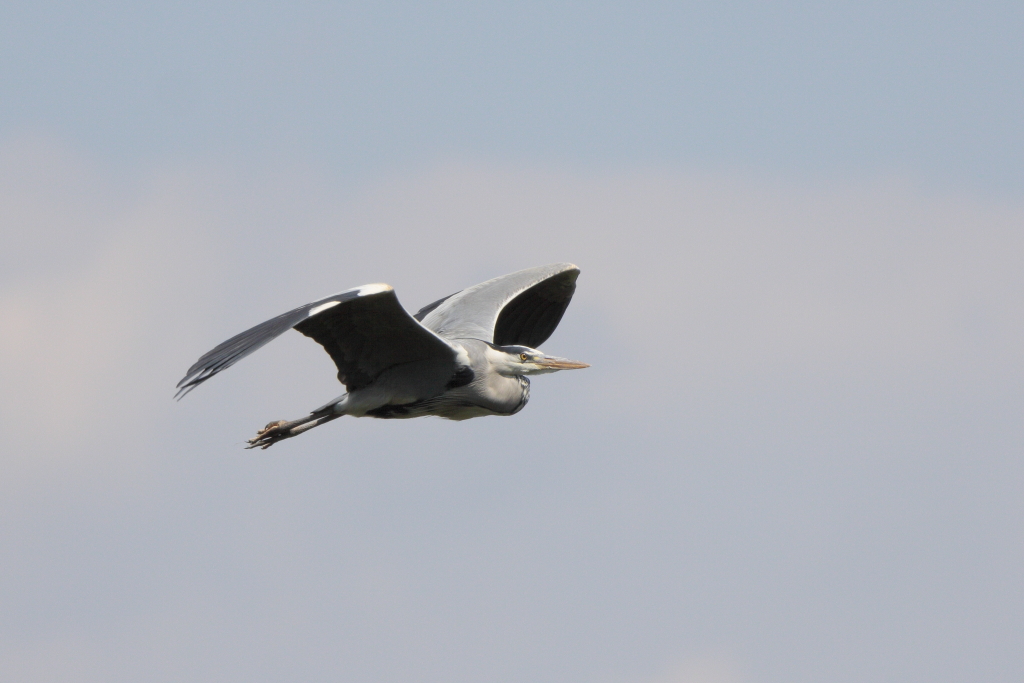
(365, 331)
(519, 308)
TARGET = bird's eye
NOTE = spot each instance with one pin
(523, 356)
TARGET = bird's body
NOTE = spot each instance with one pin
(461, 357)
(471, 392)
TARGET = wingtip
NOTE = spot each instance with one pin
(184, 387)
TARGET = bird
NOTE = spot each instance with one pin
(467, 355)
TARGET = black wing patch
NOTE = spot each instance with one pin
(532, 316)
(370, 334)
(241, 345)
(364, 334)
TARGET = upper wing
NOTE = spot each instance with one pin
(519, 308)
(365, 331)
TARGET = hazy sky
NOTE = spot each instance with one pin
(797, 456)
(930, 89)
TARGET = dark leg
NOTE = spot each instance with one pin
(283, 429)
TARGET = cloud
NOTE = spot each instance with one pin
(706, 303)
(686, 279)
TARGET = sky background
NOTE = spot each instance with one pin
(797, 453)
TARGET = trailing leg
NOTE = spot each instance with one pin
(283, 429)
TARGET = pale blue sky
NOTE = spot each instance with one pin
(796, 456)
(930, 90)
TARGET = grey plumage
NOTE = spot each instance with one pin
(520, 308)
(463, 356)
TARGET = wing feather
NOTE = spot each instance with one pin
(364, 330)
(520, 308)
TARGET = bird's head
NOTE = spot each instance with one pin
(522, 360)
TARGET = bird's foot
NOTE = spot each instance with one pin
(271, 434)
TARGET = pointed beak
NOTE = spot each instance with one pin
(561, 363)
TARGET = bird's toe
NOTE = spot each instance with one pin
(271, 426)
(269, 435)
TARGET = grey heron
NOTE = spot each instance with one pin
(466, 355)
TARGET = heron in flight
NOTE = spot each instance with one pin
(466, 355)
